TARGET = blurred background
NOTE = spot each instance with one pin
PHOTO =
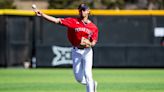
(35, 55)
(94, 4)
(131, 33)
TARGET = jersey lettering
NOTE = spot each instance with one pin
(83, 29)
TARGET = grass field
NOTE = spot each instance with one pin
(62, 80)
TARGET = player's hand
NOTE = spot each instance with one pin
(85, 42)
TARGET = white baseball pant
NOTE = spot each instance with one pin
(82, 67)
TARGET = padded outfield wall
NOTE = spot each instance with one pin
(126, 39)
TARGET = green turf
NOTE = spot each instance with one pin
(62, 80)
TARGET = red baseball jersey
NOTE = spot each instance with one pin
(77, 29)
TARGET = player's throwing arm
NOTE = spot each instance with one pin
(45, 16)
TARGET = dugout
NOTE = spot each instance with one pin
(126, 39)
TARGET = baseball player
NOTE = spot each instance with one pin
(83, 35)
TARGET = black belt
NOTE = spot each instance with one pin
(78, 48)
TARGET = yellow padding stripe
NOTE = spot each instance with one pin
(75, 12)
(31, 13)
(1, 12)
(127, 12)
(17, 12)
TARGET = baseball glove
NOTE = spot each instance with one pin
(85, 42)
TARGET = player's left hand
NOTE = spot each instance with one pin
(85, 42)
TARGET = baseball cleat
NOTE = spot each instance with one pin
(95, 86)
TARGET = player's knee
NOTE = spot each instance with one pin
(79, 80)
